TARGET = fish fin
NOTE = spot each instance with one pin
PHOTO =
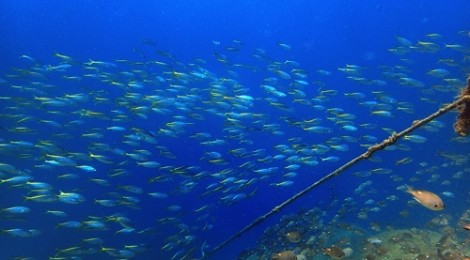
(418, 200)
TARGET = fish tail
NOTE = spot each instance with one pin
(409, 189)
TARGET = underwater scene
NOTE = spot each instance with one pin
(235, 130)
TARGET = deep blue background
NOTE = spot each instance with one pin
(320, 31)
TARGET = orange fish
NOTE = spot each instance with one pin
(334, 252)
(427, 199)
(284, 255)
(466, 226)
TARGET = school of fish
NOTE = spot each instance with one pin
(90, 145)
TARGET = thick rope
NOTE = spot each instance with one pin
(463, 100)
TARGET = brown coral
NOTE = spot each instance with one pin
(462, 125)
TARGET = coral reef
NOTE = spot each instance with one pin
(462, 125)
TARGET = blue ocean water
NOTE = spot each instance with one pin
(190, 120)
